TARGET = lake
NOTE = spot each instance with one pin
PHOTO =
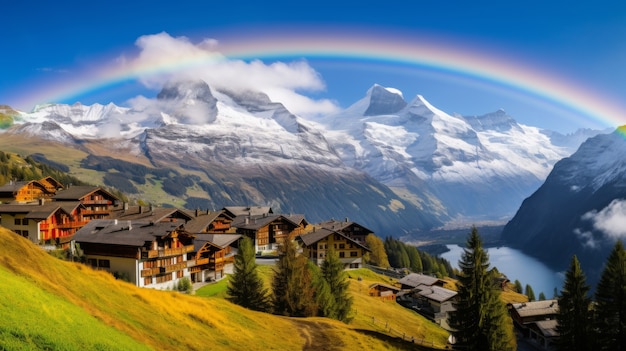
(516, 265)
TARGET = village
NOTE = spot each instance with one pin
(156, 247)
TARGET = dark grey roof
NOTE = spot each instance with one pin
(128, 233)
(415, 279)
(259, 221)
(537, 308)
(33, 211)
(220, 240)
(390, 287)
(148, 214)
(341, 225)
(435, 293)
(12, 187)
(198, 223)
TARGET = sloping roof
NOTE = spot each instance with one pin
(33, 211)
(77, 192)
(109, 231)
(12, 187)
(219, 240)
(341, 225)
(547, 328)
(69, 206)
(537, 308)
(149, 214)
(415, 279)
(435, 293)
(318, 234)
(198, 223)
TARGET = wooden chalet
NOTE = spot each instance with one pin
(268, 231)
(148, 254)
(384, 291)
(24, 192)
(351, 229)
(433, 302)
(536, 320)
(213, 222)
(316, 243)
(48, 223)
(98, 203)
(51, 184)
(213, 256)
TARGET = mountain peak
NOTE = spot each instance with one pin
(188, 91)
(499, 121)
(384, 101)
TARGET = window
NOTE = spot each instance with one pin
(25, 221)
(92, 262)
(18, 221)
(342, 254)
(353, 254)
(342, 246)
(104, 263)
(25, 233)
(147, 281)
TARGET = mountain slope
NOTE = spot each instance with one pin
(51, 304)
(579, 208)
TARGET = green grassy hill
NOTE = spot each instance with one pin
(49, 304)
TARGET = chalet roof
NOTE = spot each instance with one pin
(149, 214)
(318, 234)
(415, 279)
(260, 221)
(78, 192)
(341, 225)
(12, 187)
(390, 287)
(128, 233)
(237, 211)
(32, 211)
(198, 223)
(547, 327)
(219, 240)
(52, 181)
(435, 293)
(69, 206)
(536, 308)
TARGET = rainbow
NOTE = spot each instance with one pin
(441, 55)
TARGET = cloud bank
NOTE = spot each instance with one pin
(162, 57)
(610, 222)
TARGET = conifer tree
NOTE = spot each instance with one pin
(245, 286)
(480, 321)
(610, 319)
(292, 284)
(333, 273)
(415, 259)
(529, 292)
(542, 296)
(518, 287)
(323, 297)
(573, 319)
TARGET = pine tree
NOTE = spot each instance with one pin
(542, 296)
(323, 297)
(610, 319)
(293, 292)
(573, 319)
(480, 321)
(518, 287)
(245, 287)
(378, 255)
(333, 273)
(415, 259)
(529, 293)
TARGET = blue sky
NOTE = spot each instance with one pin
(585, 42)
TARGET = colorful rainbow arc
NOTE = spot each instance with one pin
(485, 67)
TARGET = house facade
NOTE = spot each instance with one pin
(24, 192)
(351, 229)
(315, 245)
(213, 256)
(536, 320)
(268, 231)
(97, 202)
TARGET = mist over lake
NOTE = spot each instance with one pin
(516, 265)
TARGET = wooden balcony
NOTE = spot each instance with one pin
(96, 202)
(150, 272)
(174, 267)
(95, 212)
(170, 252)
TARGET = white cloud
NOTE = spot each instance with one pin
(163, 57)
(611, 220)
(587, 238)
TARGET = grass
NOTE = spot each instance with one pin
(49, 304)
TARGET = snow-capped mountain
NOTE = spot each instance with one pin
(580, 209)
(408, 162)
(478, 167)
